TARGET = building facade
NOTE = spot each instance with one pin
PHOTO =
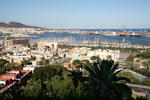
(17, 42)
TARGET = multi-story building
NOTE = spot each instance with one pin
(83, 54)
(48, 43)
(17, 42)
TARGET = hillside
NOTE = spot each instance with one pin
(16, 25)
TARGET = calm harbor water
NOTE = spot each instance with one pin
(80, 37)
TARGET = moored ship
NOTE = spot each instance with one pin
(123, 33)
(135, 34)
(94, 33)
(110, 33)
(148, 34)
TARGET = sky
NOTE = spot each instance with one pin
(77, 14)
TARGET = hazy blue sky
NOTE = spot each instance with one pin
(77, 13)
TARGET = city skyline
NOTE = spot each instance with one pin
(85, 14)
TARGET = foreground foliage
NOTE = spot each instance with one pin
(54, 82)
(105, 84)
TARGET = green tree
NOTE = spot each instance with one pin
(76, 62)
(25, 62)
(147, 64)
(48, 72)
(104, 84)
(44, 61)
(7, 96)
(141, 98)
(3, 62)
(3, 66)
(33, 89)
(76, 77)
(109, 57)
(95, 58)
(130, 58)
(33, 58)
(65, 90)
(130, 76)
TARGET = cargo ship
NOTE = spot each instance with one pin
(135, 34)
(110, 33)
(148, 34)
(123, 33)
(94, 33)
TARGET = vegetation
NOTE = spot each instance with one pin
(66, 46)
(135, 66)
(133, 79)
(76, 62)
(129, 75)
(145, 54)
(143, 71)
(55, 82)
(44, 61)
(33, 58)
(118, 48)
(130, 58)
(95, 58)
(104, 83)
(5, 66)
(109, 57)
(26, 62)
(103, 48)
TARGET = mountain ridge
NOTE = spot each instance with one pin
(13, 24)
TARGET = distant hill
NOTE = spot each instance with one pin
(16, 25)
(3, 24)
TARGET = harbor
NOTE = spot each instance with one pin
(89, 40)
(94, 40)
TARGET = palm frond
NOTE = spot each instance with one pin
(122, 79)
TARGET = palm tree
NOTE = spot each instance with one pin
(109, 57)
(104, 84)
(76, 77)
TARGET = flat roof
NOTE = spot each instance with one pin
(5, 79)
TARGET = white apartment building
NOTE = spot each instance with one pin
(103, 54)
(86, 55)
(48, 43)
